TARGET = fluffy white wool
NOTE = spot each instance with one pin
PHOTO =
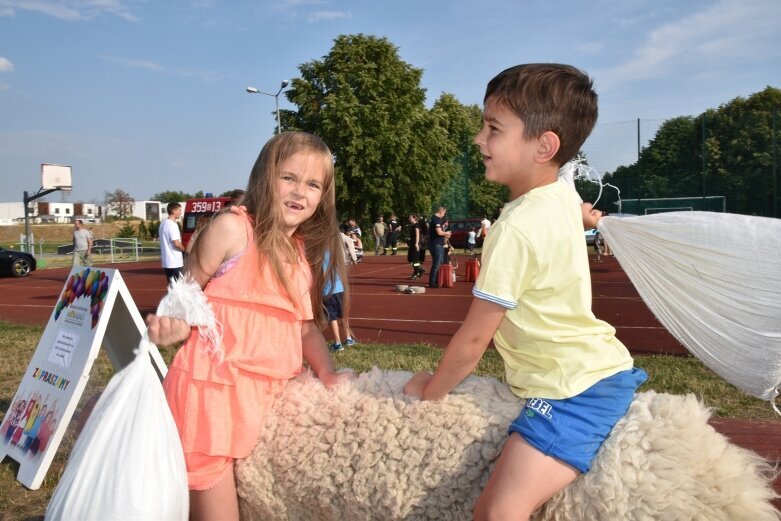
(186, 301)
(364, 451)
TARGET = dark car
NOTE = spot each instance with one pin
(16, 263)
(459, 230)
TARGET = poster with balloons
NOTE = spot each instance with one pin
(93, 309)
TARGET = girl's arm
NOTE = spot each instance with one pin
(317, 356)
(462, 354)
(224, 237)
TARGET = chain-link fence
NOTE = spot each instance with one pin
(722, 160)
(714, 162)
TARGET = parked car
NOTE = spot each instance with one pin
(459, 229)
(591, 236)
(16, 263)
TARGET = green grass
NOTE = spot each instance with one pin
(677, 375)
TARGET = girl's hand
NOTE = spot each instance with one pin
(416, 384)
(331, 379)
(166, 331)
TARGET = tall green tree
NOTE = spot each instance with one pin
(390, 153)
(171, 196)
(727, 151)
(469, 193)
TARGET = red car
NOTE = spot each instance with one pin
(459, 230)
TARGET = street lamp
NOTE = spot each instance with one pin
(285, 83)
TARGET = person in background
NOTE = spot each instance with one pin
(379, 230)
(337, 308)
(415, 247)
(485, 225)
(171, 247)
(357, 245)
(353, 227)
(436, 244)
(82, 244)
(471, 241)
(598, 245)
(394, 228)
(261, 268)
(237, 197)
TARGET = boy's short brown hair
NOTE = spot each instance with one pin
(549, 97)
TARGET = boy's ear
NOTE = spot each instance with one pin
(549, 144)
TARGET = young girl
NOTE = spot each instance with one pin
(261, 267)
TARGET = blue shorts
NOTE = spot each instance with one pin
(573, 429)
(333, 306)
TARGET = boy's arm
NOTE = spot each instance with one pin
(462, 354)
(316, 354)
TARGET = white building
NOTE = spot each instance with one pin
(145, 210)
(53, 212)
(10, 212)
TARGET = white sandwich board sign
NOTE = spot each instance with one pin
(94, 309)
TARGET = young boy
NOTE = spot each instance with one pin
(533, 296)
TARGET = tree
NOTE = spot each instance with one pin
(127, 230)
(171, 196)
(143, 232)
(737, 141)
(470, 194)
(119, 203)
(390, 153)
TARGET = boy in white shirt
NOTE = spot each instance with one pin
(171, 247)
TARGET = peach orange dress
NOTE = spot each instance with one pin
(220, 407)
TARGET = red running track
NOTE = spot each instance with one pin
(378, 312)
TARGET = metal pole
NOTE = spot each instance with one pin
(279, 124)
(774, 141)
(704, 160)
(26, 223)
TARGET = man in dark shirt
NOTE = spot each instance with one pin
(394, 228)
(436, 244)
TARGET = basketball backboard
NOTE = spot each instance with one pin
(56, 177)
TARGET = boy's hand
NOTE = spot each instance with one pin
(591, 216)
(331, 379)
(416, 384)
(166, 331)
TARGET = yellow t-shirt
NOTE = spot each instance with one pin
(535, 264)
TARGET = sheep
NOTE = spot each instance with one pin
(365, 451)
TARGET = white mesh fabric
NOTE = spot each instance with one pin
(714, 281)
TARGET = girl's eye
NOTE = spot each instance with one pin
(316, 186)
(287, 177)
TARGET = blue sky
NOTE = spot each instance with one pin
(149, 96)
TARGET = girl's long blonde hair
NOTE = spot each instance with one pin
(318, 234)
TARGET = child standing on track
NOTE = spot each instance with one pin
(261, 267)
(533, 296)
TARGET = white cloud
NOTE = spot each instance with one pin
(4, 86)
(6, 65)
(725, 30)
(327, 16)
(320, 16)
(69, 10)
(156, 67)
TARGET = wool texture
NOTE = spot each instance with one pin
(365, 451)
